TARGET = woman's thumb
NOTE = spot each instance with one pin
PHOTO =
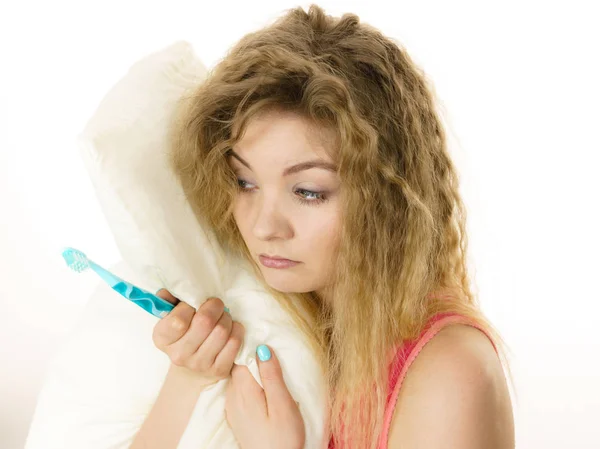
(271, 375)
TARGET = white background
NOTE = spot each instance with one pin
(518, 81)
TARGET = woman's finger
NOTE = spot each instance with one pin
(167, 296)
(174, 326)
(247, 391)
(276, 392)
(202, 324)
(228, 354)
(204, 356)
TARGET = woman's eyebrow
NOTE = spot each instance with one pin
(315, 163)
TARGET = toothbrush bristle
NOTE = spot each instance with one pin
(75, 259)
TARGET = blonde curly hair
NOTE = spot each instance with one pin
(402, 252)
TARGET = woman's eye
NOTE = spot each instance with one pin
(318, 197)
(240, 181)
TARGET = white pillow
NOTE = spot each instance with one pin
(106, 378)
(124, 147)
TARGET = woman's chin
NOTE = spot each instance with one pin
(285, 285)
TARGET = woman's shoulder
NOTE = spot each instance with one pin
(455, 389)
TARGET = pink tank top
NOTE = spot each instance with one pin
(405, 356)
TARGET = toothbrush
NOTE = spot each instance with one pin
(79, 262)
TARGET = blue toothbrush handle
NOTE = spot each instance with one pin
(143, 298)
(148, 301)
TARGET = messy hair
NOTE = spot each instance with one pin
(402, 256)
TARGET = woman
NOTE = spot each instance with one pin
(316, 139)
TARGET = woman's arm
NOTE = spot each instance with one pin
(171, 412)
(454, 396)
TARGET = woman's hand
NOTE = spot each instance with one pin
(268, 419)
(202, 343)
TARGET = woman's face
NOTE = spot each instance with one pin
(286, 212)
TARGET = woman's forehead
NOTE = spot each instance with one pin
(287, 138)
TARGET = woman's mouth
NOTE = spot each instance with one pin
(276, 263)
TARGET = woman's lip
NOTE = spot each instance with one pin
(277, 263)
(276, 258)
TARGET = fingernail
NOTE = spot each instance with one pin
(264, 354)
(227, 310)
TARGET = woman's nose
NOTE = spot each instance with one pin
(270, 220)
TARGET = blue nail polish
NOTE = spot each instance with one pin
(264, 354)
(227, 310)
